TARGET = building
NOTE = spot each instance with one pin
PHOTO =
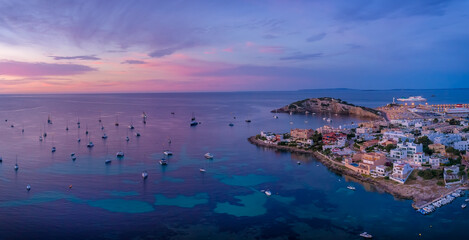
(406, 149)
(301, 133)
(380, 171)
(373, 159)
(400, 172)
(368, 144)
(461, 145)
(436, 160)
(419, 159)
(438, 148)
(445, 139)
(450, 175)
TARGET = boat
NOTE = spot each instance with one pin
(104, 136)
(268, 193)
(28, 187)
(79, 140)
(1, 159)
(120, 154)
(168, 153)
(48, 120)
(467, 200)
(144, 175)
(193, 121)
(53, 149)
(137, 134)
(40, 138)
(208, 156)
(231, 124)
(275, 116)
(351, 187)
(298, 162)
(127, 138)
(291, 122)
(16, 167)
(12, 126)
(102, 127)
(412, 99)
(366, 235)
(248, 120)
(108, 161)
(463, 206)
(163, 161)
(131, 126)
(90, 144)
(202, 170)
(74, 158)
(329, 120)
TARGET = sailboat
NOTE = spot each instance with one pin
(193, 121)
(275, 116)
(90, 143)
(86, 132)
(144, 116)
(144, 175)
(108, 160)
(117, 120)
(48, 120)
(28, 187)
(78, 122)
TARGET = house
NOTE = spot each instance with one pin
(406, 149)
(380, 171)
(450, 175)
(436, 160)
(359, 168)
(445, 139)
(419, 159)
(368, 144)
(400, 172)
(461, 145)
(333, 140)
(301, 133)
(387, 142)
(438, 148)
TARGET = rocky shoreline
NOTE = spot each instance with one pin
(420, 191)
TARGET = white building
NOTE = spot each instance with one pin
(461, 145)
(379, 171)
(419, 159)
(445, 139)
(400, 172)
(406, 149)
(396, 136)
(436, 160)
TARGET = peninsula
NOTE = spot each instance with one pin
(328, 105)
(423, 157)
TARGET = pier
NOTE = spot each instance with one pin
(441, 108)
(418, 206)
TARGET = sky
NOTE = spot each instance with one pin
(93, 46)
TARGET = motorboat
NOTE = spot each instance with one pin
(144, 175)
(1, 159)
(104, 136)
(231, 124)
(202, 170)
(248, 120)
(127, 138)
(131, 126)
(366, 235)
(16, 167)
(268, 193)
(108, 161)
(28, 187)
(53, 149)
(208, 156)
(137, 134)
(120, 154)
(463, 206)
(168, 153)
(163, 161)
(351, 187)
(194, 123)
(90, 144)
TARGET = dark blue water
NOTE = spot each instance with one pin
(178, 201)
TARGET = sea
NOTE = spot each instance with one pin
(86, 198)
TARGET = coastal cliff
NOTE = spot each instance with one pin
(329, 105)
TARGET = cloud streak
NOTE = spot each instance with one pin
(130, 61)
(27, 69)
(85, 57)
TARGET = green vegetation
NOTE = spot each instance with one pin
(440, 183)
(425, 141)
(430, 174)
(389, 147)
(453, 121)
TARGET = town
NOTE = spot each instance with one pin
(423, 146)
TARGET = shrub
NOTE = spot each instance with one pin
(440, 183)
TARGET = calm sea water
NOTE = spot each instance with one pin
(178, 201)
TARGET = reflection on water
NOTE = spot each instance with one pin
(87, 197)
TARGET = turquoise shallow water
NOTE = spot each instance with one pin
(177, 201)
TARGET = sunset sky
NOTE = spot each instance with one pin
(168, 46)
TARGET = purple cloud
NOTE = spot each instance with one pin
(133, 62)
(316, 37)
(300, 56)
(86, 57)
(162, 52)
(26, 69)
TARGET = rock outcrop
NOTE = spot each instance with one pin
(326, 105)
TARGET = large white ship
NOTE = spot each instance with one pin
(412, 99)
